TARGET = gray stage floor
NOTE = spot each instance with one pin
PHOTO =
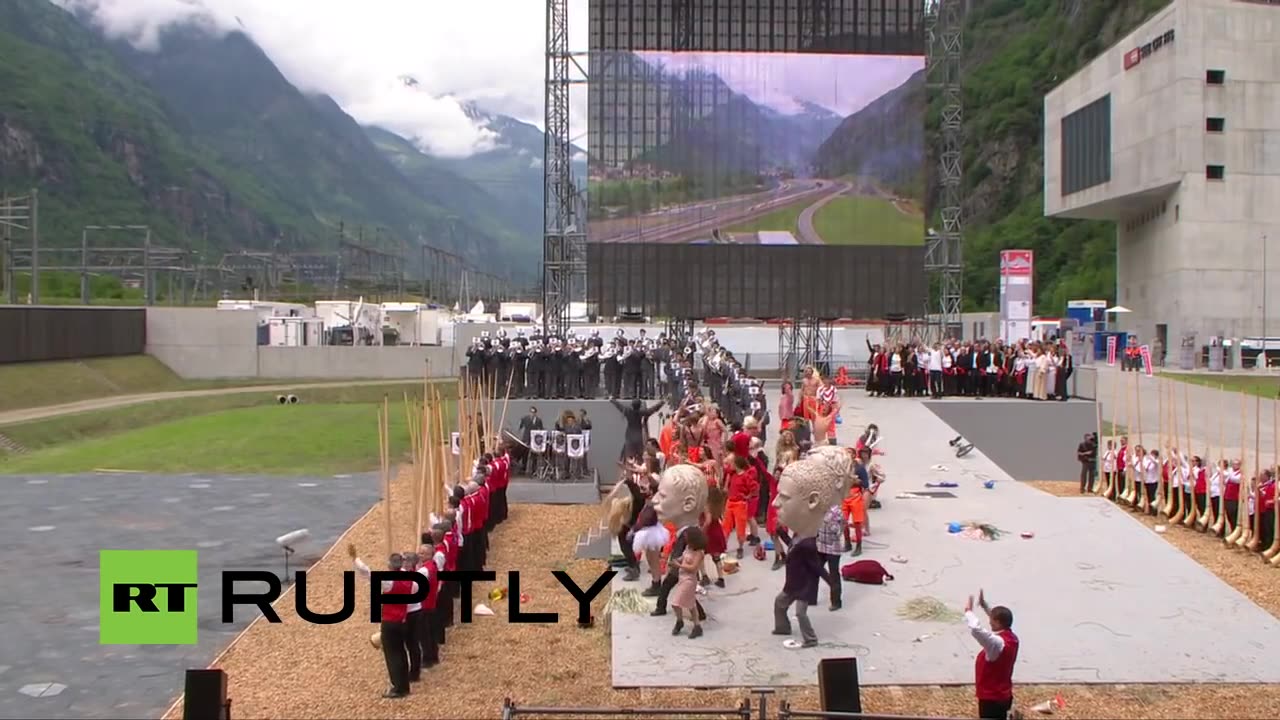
(1096, 597)
(51, 529)
(1029, 440)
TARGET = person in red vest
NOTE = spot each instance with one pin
(993, 667)
(395, 636)
(432, 563)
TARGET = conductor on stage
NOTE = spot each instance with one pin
(993, 668)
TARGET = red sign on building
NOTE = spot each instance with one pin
(1133, 57)
(1016, 263)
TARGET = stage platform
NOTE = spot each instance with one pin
(1096, 596)
(1029, 440)
(608, 426)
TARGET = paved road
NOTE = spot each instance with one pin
(696, 221)
(40, 413)
(1216, 416)
(808, 233)
(54, 525)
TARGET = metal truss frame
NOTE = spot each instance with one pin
(944, 259)
(803, 343)
(564, 256)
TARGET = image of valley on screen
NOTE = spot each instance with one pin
(756, 149)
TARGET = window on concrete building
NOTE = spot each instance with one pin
(1214, 172)
(1215, 125)
(1215, 77)
(1086, 146)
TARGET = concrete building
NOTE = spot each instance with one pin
(1174, 135)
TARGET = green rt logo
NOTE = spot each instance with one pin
(147, 597)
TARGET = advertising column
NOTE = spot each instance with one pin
(1016, 291)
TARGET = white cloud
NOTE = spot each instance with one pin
(490, 52)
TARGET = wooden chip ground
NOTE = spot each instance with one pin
(298, 670)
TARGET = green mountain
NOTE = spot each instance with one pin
(881, 141)
(1015, 51)
(207, 136)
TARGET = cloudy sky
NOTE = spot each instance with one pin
(842, 83)
(487, 51)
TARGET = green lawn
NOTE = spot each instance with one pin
(784, 219)
(279, 439)
(1267, 386)
(848, 220)
(226, 433)
(39, 384)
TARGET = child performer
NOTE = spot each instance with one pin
(716, 545)
(742, 486)
(684, 596)
(853, 510)
(648, 538)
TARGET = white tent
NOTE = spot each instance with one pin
(1118, 309)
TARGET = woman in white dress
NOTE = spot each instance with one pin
(1040, 371)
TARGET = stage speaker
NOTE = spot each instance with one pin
(838, 685)
(205, 695)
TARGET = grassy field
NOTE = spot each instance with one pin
(54, 383)
(867, 221)
(784, 219)
(1267, 386)
(333, 430)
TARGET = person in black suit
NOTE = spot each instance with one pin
(528, 424)
(1065, 370)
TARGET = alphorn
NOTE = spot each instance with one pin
(1135, 480)
(1107, 487)
(1098, 452)
(1214, 516)
(1254, 530)
(1192, 512)
(1182, 469)
(1162, 445)
(1271, 553)
(1237, 524)
(1173, 485)
(1121, 489)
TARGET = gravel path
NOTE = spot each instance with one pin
(13, 417)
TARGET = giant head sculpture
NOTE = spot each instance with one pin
(681, 496)
(810, 486)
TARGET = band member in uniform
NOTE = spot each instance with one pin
(648, 370)
(475, 360)
(571, 367)
(612, 370)
(630, 357)
(589, 378)
(537, 369)
(517, 358)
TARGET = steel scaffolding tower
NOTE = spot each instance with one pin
(944, 259)
(564, 260)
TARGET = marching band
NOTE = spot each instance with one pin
(549, 367)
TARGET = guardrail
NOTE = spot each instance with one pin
(748, 709)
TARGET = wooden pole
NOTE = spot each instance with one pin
(383, 418)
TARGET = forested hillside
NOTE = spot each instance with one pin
(1015, 51)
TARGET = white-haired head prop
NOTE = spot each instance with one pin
(810, 486)
(681, 496)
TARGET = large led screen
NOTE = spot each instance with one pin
(751, 148)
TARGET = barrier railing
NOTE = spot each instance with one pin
(746, 710)
(511, 711)
(786, 713)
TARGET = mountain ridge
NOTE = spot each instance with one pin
(204, 137)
